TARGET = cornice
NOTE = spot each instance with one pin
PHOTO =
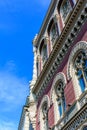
(61, 47)
(46, 19)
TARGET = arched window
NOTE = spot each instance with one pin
(53, 31)
(80, 66)
(64, 8)
(57, 96)
(77, 67)
(43, 51)
(85, 128)
(37, 65)
(45, 115)
(60, 97)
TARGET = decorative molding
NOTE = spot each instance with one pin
(45, 99)
(59, 76)
(82, 45)
(78, 120)
(84, 125)
(46, 20)
(74, 118)
(56, 55)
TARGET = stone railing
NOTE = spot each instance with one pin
(83, 99)
(71, 113)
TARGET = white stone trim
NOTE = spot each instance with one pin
(85, 124)
(59, 76)
(58, 59)
(45, 99)
(82, 45)
(53, 96)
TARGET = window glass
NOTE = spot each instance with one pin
(81, 70)
(53, 33)
(85, 128)
(61, 98)
(30, 127)
(44, 53)
(65, 9)
(60, 109)
(45, 116)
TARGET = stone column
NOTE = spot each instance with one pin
(34, 65)
(47, 41)
(32, 106)
(57, 20)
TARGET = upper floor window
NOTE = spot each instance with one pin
(60, 98)
(43, 52)
(80, 65)
(37, 65)
(53, 32)
(65, 9)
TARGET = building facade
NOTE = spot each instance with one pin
(58, 90)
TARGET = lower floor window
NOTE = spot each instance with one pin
(85, 128)
(60, 109)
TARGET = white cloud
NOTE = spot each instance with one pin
(13, 90)
(44, 2)
(7, 125)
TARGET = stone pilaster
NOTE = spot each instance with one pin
(57, 20)
(34, 78)
(26, 121)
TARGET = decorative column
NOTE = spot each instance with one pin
(39, 65)
(58, 20)
(34, 66)
(47, 41)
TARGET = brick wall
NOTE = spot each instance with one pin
(69, 90)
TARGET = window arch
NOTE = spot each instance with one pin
(64, 9)
(77, 67)
(53, 31)
(38, 65)
(43, 51)
(57, 95)
(59, 90)
(43, 113)
(84, 128)
(80, 66)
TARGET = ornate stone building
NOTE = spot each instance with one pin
(58, 90)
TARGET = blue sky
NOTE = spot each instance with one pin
(20, 20)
